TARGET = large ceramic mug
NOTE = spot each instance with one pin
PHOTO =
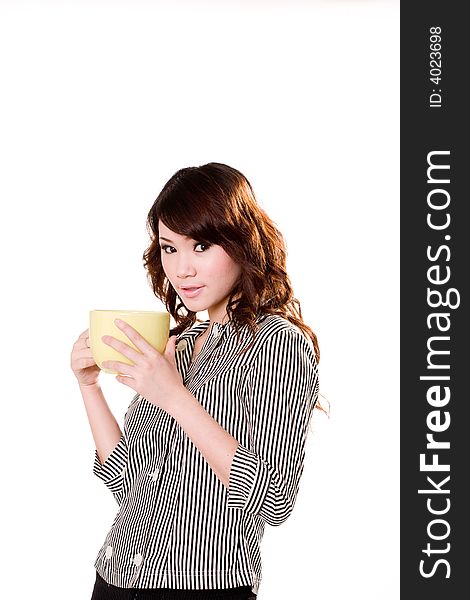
(153, 326)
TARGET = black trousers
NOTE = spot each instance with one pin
(106, 591)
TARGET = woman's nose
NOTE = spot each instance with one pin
(185, 267)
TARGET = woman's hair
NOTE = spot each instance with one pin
(215, 204)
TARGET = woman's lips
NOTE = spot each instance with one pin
(191, 292)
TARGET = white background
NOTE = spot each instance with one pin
(101, 102)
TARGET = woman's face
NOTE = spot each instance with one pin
(202, 275)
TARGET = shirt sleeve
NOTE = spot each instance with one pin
(112, 471)
(281, 392)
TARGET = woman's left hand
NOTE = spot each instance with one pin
(153, 375)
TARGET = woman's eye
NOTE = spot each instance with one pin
(200, 247)
(203, 246)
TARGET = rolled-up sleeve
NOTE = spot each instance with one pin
(112, 471)
(281, 391)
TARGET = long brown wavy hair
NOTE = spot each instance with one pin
(215, 204)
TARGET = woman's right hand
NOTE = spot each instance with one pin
(82, 362)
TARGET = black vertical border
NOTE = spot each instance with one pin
(425, 129)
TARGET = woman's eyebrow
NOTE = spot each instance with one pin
(171, 241)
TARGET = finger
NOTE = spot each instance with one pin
(80, 340)
(118, 366)
(83, 363)
(123, 348)
(170, 347)
(83, 358)
(135, 337)
(129, 381)
(82, 344)
(83, 340)
(82, 352)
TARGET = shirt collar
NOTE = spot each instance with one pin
(200, 327)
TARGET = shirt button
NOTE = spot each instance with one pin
(182, 345)
(123, 472)
(138, 558)
(109, 552)
(215, 330)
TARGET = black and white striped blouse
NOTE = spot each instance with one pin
(177, 525)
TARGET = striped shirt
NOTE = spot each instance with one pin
(177, 525)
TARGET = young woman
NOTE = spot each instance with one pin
(214, 438)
